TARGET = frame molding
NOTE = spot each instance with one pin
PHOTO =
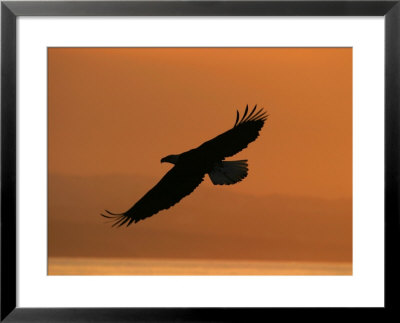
(10, 10)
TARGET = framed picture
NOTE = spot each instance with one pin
(295, 205)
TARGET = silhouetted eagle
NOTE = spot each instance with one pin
(191, 167)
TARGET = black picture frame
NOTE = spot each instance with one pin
(10, 10)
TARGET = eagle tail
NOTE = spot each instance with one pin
(229, 172)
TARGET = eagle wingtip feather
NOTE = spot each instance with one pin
(254, 115)
(106, 216)
(237, 117)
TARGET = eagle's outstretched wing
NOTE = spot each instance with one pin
(238, 138)
(174, 186)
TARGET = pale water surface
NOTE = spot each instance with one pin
(127, 266)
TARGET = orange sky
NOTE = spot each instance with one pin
(120, 110)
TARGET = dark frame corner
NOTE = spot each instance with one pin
(10, 10)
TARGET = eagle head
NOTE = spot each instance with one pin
(173, 159)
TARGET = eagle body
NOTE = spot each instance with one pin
(221, 172)
(190, 168)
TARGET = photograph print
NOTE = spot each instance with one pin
(199, 161)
